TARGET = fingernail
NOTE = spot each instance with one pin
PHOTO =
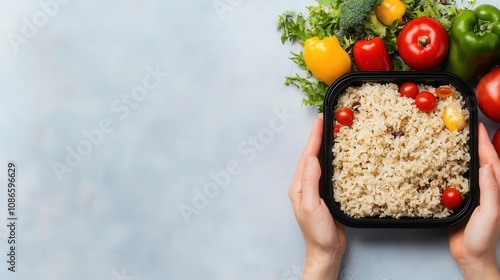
(320, 116)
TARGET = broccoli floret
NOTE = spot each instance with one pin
(373, 25)
(352, 15)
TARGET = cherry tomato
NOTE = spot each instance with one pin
(444, 91)
(425, 101)
(488, 95)
(451, 198)
(423, 43)
(336, 128)
(496, 141)
(408, 89)
(453, 118)
(344, 116)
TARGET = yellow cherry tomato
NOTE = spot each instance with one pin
(453, 118)
(391, 10)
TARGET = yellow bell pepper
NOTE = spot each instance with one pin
(389, 11)
(326, 59)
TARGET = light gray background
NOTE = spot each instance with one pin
(116, 214)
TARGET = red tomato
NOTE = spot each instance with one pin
(496, 141)
(425, 101)
(423, 43)
(336, 128)
(344, 116)
(488, 95)
(451, 198)
(408, 89)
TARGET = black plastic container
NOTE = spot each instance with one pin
(418, 77)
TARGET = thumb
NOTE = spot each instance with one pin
(310, 184)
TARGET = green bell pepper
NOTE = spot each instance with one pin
(474, 42)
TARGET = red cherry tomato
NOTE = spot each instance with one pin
(425, 101)
(488, 95)
(344, 116)
(408, 89)
(423, 43)
(336, 128)
(451, 198)
(496, 141)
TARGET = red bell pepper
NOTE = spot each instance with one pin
(371, 55)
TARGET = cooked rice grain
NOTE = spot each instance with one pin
(379, 173)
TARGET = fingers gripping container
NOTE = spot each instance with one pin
(470, 200)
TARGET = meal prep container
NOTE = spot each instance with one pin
(435, 79)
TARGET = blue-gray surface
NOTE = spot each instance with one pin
(133, 126)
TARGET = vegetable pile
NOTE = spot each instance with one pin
(339, 36)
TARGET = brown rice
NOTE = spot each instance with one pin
(379, 173)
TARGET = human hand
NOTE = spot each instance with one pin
(474, 246)
(324, 237)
